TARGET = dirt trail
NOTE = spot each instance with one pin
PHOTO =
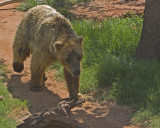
(100, 9)
(95, 115)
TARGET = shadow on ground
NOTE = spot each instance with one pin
(90, 113)
(38, 101)
(111, 116)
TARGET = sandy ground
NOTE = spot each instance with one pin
(106, 115)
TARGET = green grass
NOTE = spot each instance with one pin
(9, 106)
(107, 41)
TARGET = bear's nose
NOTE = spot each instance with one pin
(76, 72)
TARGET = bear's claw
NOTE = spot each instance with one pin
(44, 78)
(36, 89)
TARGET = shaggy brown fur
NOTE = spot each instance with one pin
(49, 37)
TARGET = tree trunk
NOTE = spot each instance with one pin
(54, 117)
(149, 46)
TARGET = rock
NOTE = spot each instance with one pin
(1, 97)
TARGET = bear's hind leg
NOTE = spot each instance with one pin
(38, 65)
(44, 77)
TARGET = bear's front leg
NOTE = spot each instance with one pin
(72, 84)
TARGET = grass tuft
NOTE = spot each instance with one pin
(9, 105)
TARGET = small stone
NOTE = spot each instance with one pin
(1, 97)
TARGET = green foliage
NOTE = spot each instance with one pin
(8, 104)
(114, 36)
(62, 6)
(147, 119)
(27, 5)
(135, 81)
(59, 73)
(88, 81)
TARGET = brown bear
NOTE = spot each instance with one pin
(49, 37)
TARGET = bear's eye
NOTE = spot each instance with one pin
(68, 59)
(79, 57)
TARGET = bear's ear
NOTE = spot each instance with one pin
(58, 45)
(80, 39)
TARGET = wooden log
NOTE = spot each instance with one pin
(58, 117)
(6, 2)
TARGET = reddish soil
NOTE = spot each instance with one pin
(106, 115)
(100, 9)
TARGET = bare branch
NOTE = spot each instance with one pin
(55, 117)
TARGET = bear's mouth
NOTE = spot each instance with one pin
(76, 73)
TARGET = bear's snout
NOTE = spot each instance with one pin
(76, 72)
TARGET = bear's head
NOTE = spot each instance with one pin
(69, 53)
